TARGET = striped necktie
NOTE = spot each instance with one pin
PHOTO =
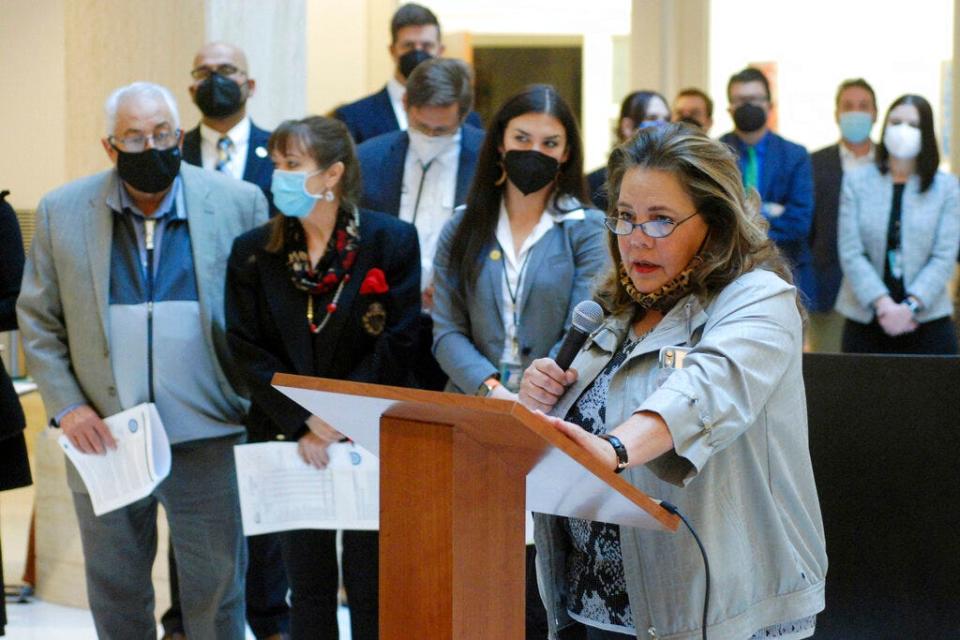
(751, 171)
(223, 154)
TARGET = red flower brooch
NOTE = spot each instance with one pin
(374, 282)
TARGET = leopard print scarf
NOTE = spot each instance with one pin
(666, 296)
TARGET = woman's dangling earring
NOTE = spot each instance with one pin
(328, 196)
(503, 174)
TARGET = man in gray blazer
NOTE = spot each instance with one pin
(122, 303)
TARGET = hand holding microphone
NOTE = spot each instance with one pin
(546, 380)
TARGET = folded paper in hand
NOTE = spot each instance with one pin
(133, 470)
(281, 492)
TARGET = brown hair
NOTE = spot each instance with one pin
(440, 82)
(479, 223)
(737, 239)
(327, 141)
(412, 15)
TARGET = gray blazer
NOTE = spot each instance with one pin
(468, 331)
(63, 304)
(740, 470)
(931, 234)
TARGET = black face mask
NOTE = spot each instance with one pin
(410, 60)
(690, 121)
(749, 117)
(530, 170)
(218, 97)
(149, 171)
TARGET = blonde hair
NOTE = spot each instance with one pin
(737, 240)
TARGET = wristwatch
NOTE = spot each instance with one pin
(912, 304)
(487, 387)
(619, 449)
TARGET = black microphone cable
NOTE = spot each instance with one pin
(672, 508)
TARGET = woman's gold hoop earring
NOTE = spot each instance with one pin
(503, 175)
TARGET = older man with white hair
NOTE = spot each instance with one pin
(122, 303)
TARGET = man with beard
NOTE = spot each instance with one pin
(415, 37)
(779, 170)
(126, 274)
(226, 140)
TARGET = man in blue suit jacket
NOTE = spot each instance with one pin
(415, 37)
(423, 173)
(778, 169)
(226, 140)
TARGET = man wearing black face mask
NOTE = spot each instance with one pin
(121, 304)
(226, 140)
(778, 169)
(415, 37)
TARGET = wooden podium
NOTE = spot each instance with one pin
(456, 474)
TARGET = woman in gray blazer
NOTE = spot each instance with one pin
(898, 234)
(511, 265)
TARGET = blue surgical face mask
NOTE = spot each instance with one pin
(855, 126)
(290, 195)
(646, 124)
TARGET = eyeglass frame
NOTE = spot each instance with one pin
(176, 133)
(205, 71)
(610, 221)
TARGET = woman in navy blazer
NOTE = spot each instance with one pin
(897, 239)
(324, 290)
(514, 262)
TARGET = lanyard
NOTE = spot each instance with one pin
(514, 294)
(423, 176)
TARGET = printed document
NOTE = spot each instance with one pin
(133, 470)
(281, 492)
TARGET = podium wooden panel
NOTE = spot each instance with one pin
(456, 473)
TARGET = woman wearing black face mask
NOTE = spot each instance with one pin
(511, 266)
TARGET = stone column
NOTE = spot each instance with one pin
(669, 45)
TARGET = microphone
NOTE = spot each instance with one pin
(587, 317)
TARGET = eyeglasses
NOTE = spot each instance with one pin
(757, 101)
(138, 142)
(659, 228)
(202, 73)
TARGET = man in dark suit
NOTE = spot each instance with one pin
(415, 37)
(423, 173)
(856, 113)
(226, 140)
(777, 168)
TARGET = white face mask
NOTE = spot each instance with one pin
(902, 141)
(425, 147)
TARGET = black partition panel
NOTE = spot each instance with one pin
(885, 443)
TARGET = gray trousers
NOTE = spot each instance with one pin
(203, 510)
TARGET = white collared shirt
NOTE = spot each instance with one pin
(437, 199)
(239, 142)
(396, 91)
(849, 161)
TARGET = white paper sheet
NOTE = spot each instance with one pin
(133, 470)
(281, 492)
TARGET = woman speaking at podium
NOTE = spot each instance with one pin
(693, 388)
(327, 290)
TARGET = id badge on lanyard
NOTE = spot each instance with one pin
(895, 259)
(511, 367)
